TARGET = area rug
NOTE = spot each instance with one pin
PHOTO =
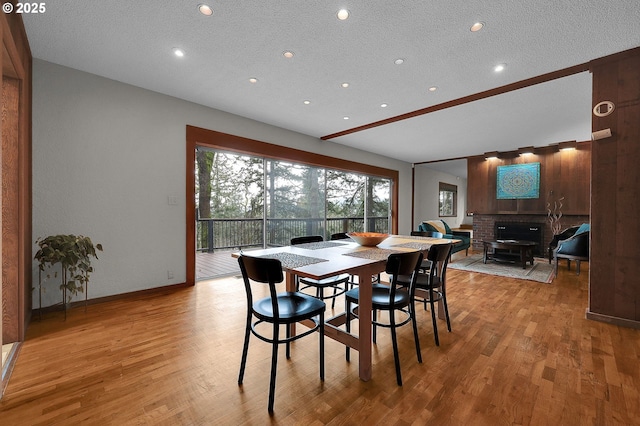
(540, 271)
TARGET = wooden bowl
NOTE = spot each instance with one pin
(368, 239)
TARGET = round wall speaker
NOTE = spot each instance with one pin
(603, 109)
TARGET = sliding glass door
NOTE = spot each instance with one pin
(229, 201)
(295, 201)
(245, 202)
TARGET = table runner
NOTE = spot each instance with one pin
(415, 245)
(373, 253)
(291, 260)
(319, 245)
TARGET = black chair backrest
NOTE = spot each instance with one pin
(403, 264)
(439, 255)
(262, 270)
(339, 236)
(306, 239)
(427, 234)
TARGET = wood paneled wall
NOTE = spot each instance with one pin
(10, 187)
(614, 280)
(16, 178)
(562, 174)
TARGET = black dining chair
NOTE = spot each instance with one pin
(392, 299)
(339, 283)
(339, 236)
(426, 264)
(278, 309)
(431, 287)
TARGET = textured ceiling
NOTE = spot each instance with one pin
(132, 42)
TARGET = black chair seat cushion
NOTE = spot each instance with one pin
(292, 306)
(380, 297)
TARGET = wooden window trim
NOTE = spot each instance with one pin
(197, 136)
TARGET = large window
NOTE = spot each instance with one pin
(373, 201)
(245, 201)
(448, 200)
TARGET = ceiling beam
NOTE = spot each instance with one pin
(576, 69)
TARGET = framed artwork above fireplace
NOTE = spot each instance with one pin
(518, 181)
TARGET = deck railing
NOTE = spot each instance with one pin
(215, 234)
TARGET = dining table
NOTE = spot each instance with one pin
(326, 259)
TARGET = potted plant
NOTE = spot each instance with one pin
(73, 253)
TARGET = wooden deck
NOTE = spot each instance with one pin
(216, 265)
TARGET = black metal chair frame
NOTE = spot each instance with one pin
(426, 264)
(434, 283)
(391, 299)
(277, 309)
(338, 283)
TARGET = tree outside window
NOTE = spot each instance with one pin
(448, 200)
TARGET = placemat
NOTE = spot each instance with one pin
(373, 254)
(291, 260)
(414, 245)
(319, 245)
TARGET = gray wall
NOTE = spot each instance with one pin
(107, 155)
(427, 184)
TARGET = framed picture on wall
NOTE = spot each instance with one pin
(518, 181)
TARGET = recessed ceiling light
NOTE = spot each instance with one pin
(306, 102)
(383, 105)
(399, 61)
(499, 67)
(433, 88)
(253, 80)
(178, 52)
(345, 85)
(477, 27)
(288, 54)
(343, 14)
(345, 118)
(205, 9)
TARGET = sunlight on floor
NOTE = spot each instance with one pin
(6, 349)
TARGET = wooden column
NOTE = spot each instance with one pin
(614, 281)
(16, 178)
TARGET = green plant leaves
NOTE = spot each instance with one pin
(74, 254)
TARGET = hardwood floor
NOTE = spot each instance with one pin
(520, 353)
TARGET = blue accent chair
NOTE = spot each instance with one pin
(573, 247)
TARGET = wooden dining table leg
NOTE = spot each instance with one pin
(364, 322)
(290, 285)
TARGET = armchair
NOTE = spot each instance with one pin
(575, 248)
(569, 232)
